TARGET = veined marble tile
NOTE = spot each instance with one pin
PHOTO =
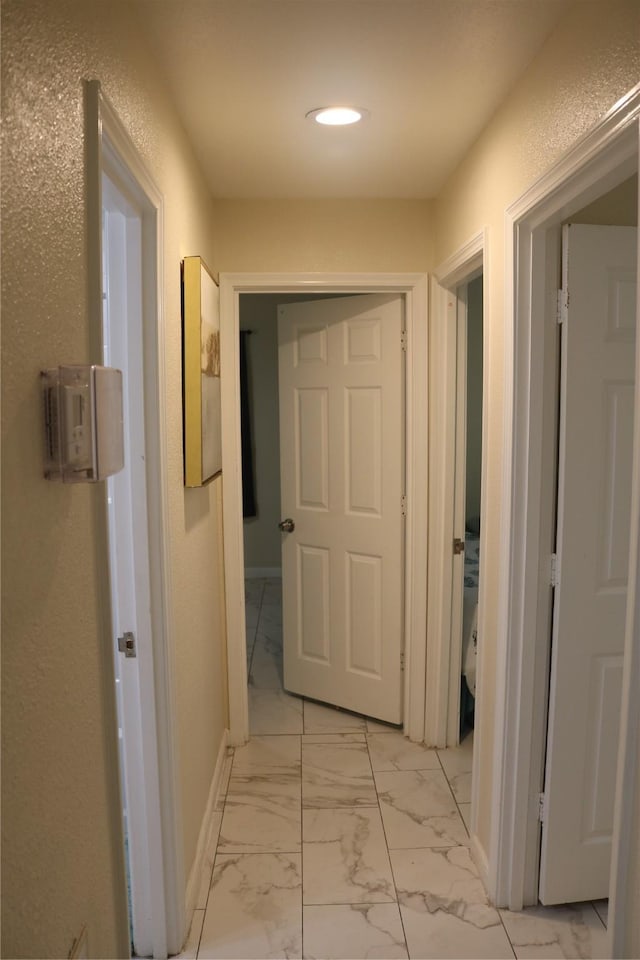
(253, 589)
(262, 814)
(273, 590)
(465, 813)
(392, 751)
(570, 930)
(266, 665)
(274, 711)
(444, 907)
(345, 857)
(418, 809)
(190, 949)
(209, 858)
(378, 726)
(333, 738)
(251, 636)
(602, 909)
(337, 775)
(270, 621)
(254, 908)
(457, 763)
(268, 753)
(363, 930)
(321, 719)
(251, 616)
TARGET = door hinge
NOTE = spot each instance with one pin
(402, 661)
(127, 644)
(458, 546)
(562, 306)
(403, 505)
(541, 807)
(403, 340)
(554, 570)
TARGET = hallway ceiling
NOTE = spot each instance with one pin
(243, 74)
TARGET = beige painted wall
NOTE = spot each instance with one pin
(591, 60)
(618, 207)
(324, 235)
(62, 860)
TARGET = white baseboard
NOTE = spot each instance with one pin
(195, 875)
(255, 573)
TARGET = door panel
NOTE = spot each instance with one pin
(342, 480)
(594, 497)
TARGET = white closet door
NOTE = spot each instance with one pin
(342, 476)
(594, 497)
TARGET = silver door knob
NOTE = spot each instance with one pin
(287, 526)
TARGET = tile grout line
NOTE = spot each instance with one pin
(301, 850)
(468, 832)
(386, 841)
(213, 863)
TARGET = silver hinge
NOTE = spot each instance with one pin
(541, 808)
(127, 644)
(403, 505)
(458, 546)
(554, 570)
(403, 340)
(562, 306)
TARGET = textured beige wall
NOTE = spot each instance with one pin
(618, 207)
(324, 235)
(588, 63)
(62, 864)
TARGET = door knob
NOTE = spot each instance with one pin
(287, 526)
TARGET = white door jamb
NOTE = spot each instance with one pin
(463, 266)
(414, 288)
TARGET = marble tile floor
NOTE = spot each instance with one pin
(338, 838)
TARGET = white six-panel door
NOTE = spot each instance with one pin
(342, 482)
(594, 496)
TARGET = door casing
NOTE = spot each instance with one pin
(414, 288)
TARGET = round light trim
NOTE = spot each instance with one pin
(337, 116)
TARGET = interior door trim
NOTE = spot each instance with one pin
(415, 290)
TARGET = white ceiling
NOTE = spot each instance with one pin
(243, 74)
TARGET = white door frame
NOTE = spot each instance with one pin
(110, 150)
(414, 288)
(598, 161)
(443, 659)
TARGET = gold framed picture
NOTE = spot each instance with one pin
(201, 373)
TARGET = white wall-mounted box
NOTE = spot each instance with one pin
(83, 420)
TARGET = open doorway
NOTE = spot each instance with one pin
(125, 234)
(602, 162)
(413, 289)
(468, 501)
(597, 333)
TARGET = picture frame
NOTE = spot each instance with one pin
(201, 373)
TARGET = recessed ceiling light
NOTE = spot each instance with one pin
(337, 116)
